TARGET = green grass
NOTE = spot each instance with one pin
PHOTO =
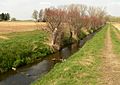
(81, 68)
(22, 48)
(28, 36)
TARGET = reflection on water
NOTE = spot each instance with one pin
(26, 76)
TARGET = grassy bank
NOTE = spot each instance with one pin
(22, 48)
(81, 68)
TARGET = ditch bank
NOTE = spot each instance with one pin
(27, 74)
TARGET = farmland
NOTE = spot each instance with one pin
(9, 27)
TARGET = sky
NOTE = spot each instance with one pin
(22, 9)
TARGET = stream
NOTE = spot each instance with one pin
(25, 75)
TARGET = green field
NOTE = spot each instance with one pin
(82, 68)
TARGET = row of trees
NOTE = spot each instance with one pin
(75, 17)
(4, 16)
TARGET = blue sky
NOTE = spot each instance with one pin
(22, 9)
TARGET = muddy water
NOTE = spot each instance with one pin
(27, 74)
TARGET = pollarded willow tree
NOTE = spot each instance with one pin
(55, 19)
(76, 15)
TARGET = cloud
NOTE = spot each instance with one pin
(113, 9)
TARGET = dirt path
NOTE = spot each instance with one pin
(111, 64)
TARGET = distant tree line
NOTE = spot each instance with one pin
(4, 16)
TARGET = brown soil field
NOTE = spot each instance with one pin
(8, 27)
